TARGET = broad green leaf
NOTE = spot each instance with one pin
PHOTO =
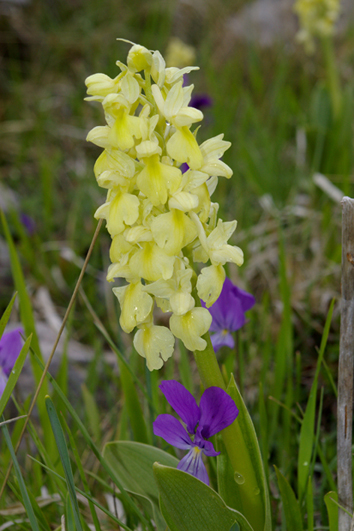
(331, 500)
(132, 462)
(227, 487)
(188, 504)
(65, 459)
(14, 375)
(290, 504)
(6, 315)
(307, 432)
(25, 498)
(152, 508)
(250, 481)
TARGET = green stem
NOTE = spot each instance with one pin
(332, 76)
(210, 375)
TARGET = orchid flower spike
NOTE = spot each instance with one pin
(158, 209)
(215, 412)
(317, 19)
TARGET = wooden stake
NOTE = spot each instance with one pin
(345, 369)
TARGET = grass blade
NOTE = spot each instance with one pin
(6, 315)
(307, 432)
(290, 504)
(65, 459)
(331, 500)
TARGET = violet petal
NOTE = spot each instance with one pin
(218, 411)
(172, 431)
(10, 347)
(247, 300)
(228, 311)
(183, 402)
(193, 464)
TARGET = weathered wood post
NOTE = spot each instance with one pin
(345, 368)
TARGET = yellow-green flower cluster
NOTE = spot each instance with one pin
(161, 219)
(317, 19)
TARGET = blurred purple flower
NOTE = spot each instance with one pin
(228, 313)
(28, 223)
(10, 347)
(200, 101)
(216, 411)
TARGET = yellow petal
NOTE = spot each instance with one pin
(190, 326)
(181, 302)
(124, 130)
(130, 88)
(183, 147)
(139, 58)
(156, 179)
(100, 85)
(184, 201)
(124, 210)
(173, 231)
(156, 344)
(226, 253)
(99, 136)
(135, 305)
(209, 283)
(119, 246)
(152, 263)
(187, 116)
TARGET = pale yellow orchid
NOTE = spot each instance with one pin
(158, 217)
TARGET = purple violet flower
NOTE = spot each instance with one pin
(228, 313)
(10, 347)
(215, 412)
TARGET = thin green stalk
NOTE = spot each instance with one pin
(332, 76)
